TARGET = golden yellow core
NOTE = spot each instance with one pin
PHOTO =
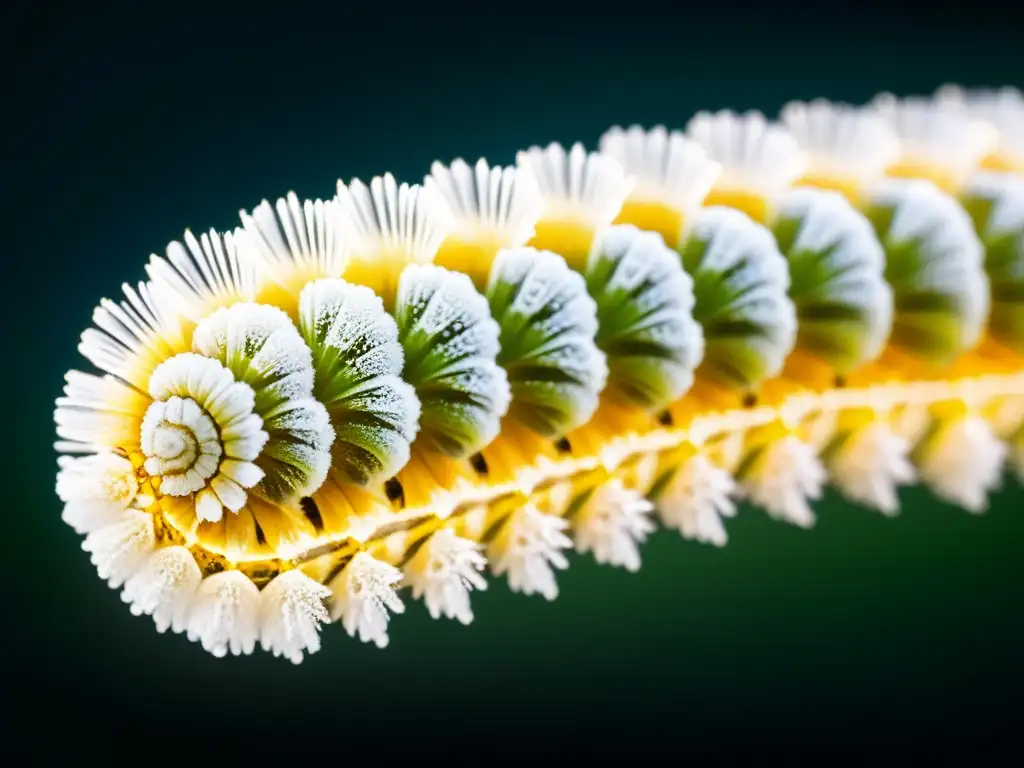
(664, 219)
(1000, 161)
(380, 272)
(569, 238)
(755, 205)
(848, 186)
(915, 169)
(471, 256)
(284, 298)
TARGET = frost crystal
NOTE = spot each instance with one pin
(529, 548)
(291, 612)
(696, 499)
(443, 572)
(451, 343)
(869, 466)
(96, 490)
(612, 524)
(164, 587)
(962, 462)
(224, 614)
(364, 592)
(548, 324)
(357, 359)
(118, 550)
(784, 478)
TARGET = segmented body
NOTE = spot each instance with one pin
(406, 384)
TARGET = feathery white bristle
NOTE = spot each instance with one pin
(202, 275)
(293, 241)
(871, 464)
(696, 499)
(201, 435)
(962, 462)
(363, 594)
(842, 140)
(96, 490)
(590, 187)
(410, 221)
(784, 479)
(291, 612)
(224, 614)
(1003, 108)
(504, 203)
(612, 524)
(529, 548)
(444, 571)
(131, 335)
(925, 214)
(755, 155)
(164, 587)
(668, 167)
(935, 134)
(852, 258)
(98, 413)
(118, 550)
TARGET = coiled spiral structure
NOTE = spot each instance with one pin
(408, 385)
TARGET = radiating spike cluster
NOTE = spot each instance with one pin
(410, 385)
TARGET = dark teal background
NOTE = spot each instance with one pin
(865, 632)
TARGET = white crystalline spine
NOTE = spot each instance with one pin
(842, 140)
(935, 133)
(411, 221)
(498, 202)
(755, 155)
(203, 274)
(589, 187)
(293, 242)
(669, 167)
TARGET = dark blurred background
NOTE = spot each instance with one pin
(861, 636)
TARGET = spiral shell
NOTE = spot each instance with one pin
(201, 435)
